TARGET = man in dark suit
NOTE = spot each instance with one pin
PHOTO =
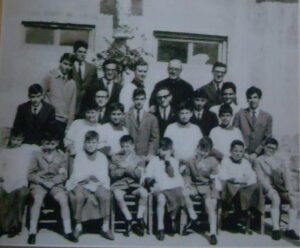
(84, 73)
(107, 82)
(213, 88)
(35, 117)
(101, 98)
(202, 117)
(254, 123)
(163, 110)
(181, 90)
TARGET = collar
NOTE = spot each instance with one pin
(58, 74)
(235, 162)
(38, 108)
(106, 81)
(138, 83)
(215, 85)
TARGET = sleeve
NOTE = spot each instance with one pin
(149, 172)
(72, 103)
(70, 136)
(2, 165)
(215, 168)
(268, 133)
(261, 176)
(223, 171)
(45, 83)
(62, 175)
(154, 137)
(152, 100)
(34, 172)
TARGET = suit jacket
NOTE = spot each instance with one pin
(34, 127)
(180, 90)
(213, 97)
(105, 118)
(171, 118)
(208, 121)
(146, 136)
(254, 135)
(90, 75)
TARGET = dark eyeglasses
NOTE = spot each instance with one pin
(163, 97)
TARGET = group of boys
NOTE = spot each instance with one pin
(98, 139)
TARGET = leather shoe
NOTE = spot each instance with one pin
(291, 234)
(140, 227)
(128, 227)
(187, 226)
(71, 237)
(160, 235)
(77, 233)
(13, 232)
(173, 227)
(276, 235)
(213, 239)
(107, 235)
(31, 239)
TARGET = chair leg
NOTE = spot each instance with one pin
(112, 217)
(149, 214)
(219, 214)
(183, 220)
(262, 224)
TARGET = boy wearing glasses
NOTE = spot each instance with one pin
(274, 175)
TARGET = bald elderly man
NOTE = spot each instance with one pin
(179, 88)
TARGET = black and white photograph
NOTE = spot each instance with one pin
(149, 123)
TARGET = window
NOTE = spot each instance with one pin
(108, 7)
(59, 34)
(187, 47)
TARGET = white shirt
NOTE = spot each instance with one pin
(36, 110)
(185, 139)
(156, 170)
(235, 109)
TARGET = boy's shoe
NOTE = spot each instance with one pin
(31, 239)
(291, 234)
(173, 227)
(276, 235)
(188, 225)
(71, 237)
(13, 232)
(213, 239)
(107, 235)
(160, 235)
(128, 226)
(140, 227)
(77, 233)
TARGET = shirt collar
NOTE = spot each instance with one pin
(38, 108)
(138, 83)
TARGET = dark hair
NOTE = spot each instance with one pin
(228, 85)
(138, 92)
(200, 93)
(16, 133)
(225, 108)
(165, 143)
(163, 88)
(184, 105)
(79, 43)
(109, 61)
(126, 139)
(116, 106)
(236, 143)
(49, 136)
(272, 141)
(35, 89)
(90, 135)
(140, 62)
(67, 56)
(92, 105)
(101, 89)
(205, 143)
(219, 64)
(253, 90)
(99, 56)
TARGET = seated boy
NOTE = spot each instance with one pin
(90, 175)
(163, 173)
(225, 133)
(14, 164)
(201, 172)
(127, 170)
(239, 182)
(47, 174)
(275, 178)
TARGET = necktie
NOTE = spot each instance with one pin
(198, 115)
(165, 114)
(34, 111)
(138, 118)
(218, 91)
(253, 118)
(79, 70)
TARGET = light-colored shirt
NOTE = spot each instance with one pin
(36, 110)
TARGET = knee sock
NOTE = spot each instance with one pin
(105, 224)
(141, 210)
(292, 218)
(67, 226)
(275, 218)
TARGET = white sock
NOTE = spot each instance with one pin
(33, 227)
(213, 224)
(275, 218)
(192, 213)
(67, 226)
(78, 227)
(292, 218)
(105, 225)
(141, 211)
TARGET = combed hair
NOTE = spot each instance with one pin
(35, 89)
(138, 92)
(116, 106)
(109, 61)
(140, 62)
(219, 64)
(253, 90)
(91, 135)
(165, 143)
(79, 43)
(126, 138)
(205, 143)
(225, 108)
(184, 105)
(16, 133)
(272, 141)
(68, 56)
(228, 85)
(236, 143)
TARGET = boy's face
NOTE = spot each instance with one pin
(65, 66)
(16, 141)
(164, 153)
(127, 147)
(237, 152)
(81, 54)
(199, 102)
(36, 99)
(116, 116)
(49, 145)
(228, 96)
(253, 101)
(225, 119)
(101, 98)
(141, 72)
(184, 116)
(110, 71)
(91, 115)
(219, 73)
(139, 101)
(203, 152)
(91, 146)
(270, 149)
(163, 98)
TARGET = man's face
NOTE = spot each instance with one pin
(164, 153)
(16, 141)
(184, 116)
(164, 98)
(270, 149)
(174, 69)
(139, 102)
(228, 96)
(199, 103)
(36, 99)
(49, 145)
(237, 152)
(141, 72)
(65, 66)
(81, 54)
(225, 119)
(110, 71)
(98, 63)
(92, 115)
(116, 117)
(101, 98)
(91, 146)
(253, 101)
(127, 147)
(219, 73)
